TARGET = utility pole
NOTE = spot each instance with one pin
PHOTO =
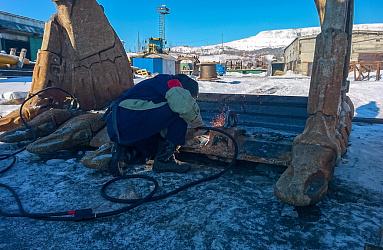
(138, 42)
(222, 40)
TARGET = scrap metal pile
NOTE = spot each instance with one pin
(82, 54)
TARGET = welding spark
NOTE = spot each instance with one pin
(219, 120)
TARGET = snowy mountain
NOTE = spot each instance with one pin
(273, 39)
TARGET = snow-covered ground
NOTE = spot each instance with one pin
(13, 88)
(367, 96)
(9, 87)
(238, 211)
(363, 162)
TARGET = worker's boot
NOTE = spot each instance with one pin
(165, 160)
(122, 157)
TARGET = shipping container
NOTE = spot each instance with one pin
(160, 64)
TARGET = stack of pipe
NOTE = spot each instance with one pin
(12, 60)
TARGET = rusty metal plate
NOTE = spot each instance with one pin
(264, 126)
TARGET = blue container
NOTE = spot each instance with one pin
(153, 65)
(221, 70)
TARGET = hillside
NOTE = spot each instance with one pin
(272, 41)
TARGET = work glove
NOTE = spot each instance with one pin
(196, 122)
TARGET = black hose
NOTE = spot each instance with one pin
(26, 125)
(13, 162)
(150, 198)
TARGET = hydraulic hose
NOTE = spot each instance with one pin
(23, 120)
(88, 213)
(26, 125)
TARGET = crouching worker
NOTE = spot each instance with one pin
(151, 120)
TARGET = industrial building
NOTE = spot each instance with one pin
(20, 33)
(299, 55)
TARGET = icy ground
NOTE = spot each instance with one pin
(238, 211)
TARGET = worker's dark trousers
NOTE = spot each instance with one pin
(141, 128)
(175, 133)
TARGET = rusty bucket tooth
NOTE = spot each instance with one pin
(75, 133)
(98, 159)
(42, 125)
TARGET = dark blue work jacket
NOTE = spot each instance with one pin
(127, 126)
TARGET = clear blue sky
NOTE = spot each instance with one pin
(202, 22)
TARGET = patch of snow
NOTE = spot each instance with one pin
(372, 77)
(6, 109)
(240, 75)
(367, 98)
(14, 95)
(357, 166)
(14, 88)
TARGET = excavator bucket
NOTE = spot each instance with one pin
(264, 126)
